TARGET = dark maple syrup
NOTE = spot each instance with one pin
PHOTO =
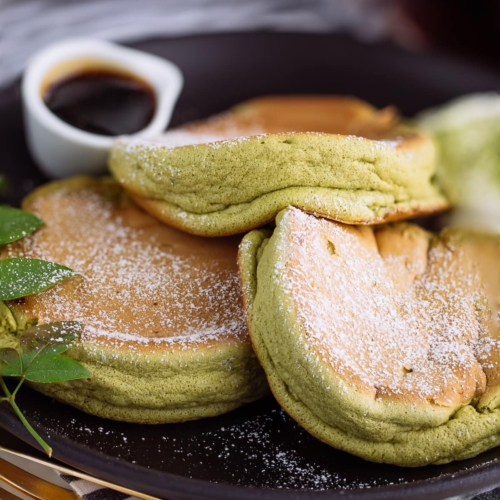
(102, 102)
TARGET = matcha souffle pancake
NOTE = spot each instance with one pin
(334, 156)
(382, 342)
(164, 333)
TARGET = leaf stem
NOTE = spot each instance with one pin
(5, 390)
(11, 399)
(14, 392)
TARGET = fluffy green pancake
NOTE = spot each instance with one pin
(380, 342)
(164, 336)
(467, 136)
(335, 156)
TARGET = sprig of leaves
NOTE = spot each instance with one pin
(39, 359)
(38, 356)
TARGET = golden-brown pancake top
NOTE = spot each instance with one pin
(139, 279)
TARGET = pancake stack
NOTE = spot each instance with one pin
(164, 332)
(379, 339)
(337, 157)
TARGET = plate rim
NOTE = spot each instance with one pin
(477, 478)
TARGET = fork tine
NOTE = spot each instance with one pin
(79, 474)
(6, 495)
(32, 485)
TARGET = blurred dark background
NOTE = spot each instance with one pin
(467, 28)
(470, 28)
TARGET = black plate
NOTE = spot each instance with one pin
(256, 452)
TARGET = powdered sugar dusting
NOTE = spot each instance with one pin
(223, 129)
(421, 338)
(139, 280)
(180, 138)
(173, 139)
(249, 447)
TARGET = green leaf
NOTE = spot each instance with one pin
(50, 369)
(39, 357)
(10, 363)
(41, 349)
(58, 336)
(21, 277)
(16, 224)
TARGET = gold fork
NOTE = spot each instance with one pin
(7, 495)
(30, 485)
(39, 489)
